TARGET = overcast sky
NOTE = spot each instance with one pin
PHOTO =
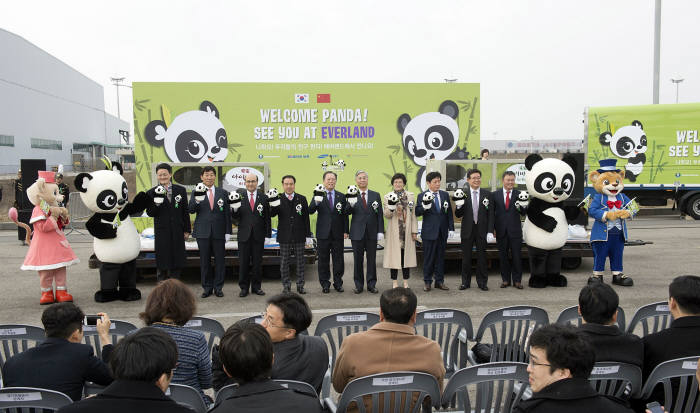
(539, 62)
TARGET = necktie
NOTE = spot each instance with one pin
(330, 199)
(290, 196)
(507, 199)
(475, 205)
(252, 201)
(364, 200)
(437, 201)
(211, 197)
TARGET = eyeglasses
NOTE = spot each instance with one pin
(534, 364)
(266, 320)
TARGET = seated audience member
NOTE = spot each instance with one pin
(390, 345)
(682, 338)
(297, 356)
(62, 362)
(246, 353)
(597, 305)
(169, 306)
(560, 362)
(142, 364)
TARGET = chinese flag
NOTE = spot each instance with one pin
(323, 98)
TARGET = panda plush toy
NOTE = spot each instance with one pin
(116, 242)
(549, 182)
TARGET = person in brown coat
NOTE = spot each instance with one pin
(393, 342)
(402, 230)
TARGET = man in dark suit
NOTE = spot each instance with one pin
(477, 217)
(62, 362)
(597, 304)
(212, 223)
(682, 338)
(508, 231)
(171, 223)
(366, 228)
(293, 228)
(438, 223)
(254, 226)
(331, 230)
(142, 364)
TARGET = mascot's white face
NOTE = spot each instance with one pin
(550, 180)
(102, 191)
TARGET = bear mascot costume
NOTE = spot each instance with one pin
(549, 182)
(609, 209)
(116, 242)
(49, 252)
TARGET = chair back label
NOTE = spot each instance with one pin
(193, 323)
(112, 326)
(601, 370)
(20, 397)
(690, 365)
(662, 308)
(13, 331)
(495, 371)
(392, 381)
(439, 315)
(517, 313)
(352, 317)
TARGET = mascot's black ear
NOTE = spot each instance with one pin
(571, 161)
(605, 138)
(207, 106)
(155, 132)
(82, 180)
(449, 108)
(637, 124)
(531, 160)
(117, 167)
(402, 122)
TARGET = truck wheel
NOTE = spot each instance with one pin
(571, 263)
(693, 207)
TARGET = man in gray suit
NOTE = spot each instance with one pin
(211, 225)
(366, 228)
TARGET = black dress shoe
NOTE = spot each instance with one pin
(442, 287)
(519, 286)
(340, 289)
(463, 287)
(326, 290)
(258, 292)
(243, 293)
(206, 294)
(357, 291)
(483, 288)
(373, 290)
(505, 284)
(426, 287)
(219, 293)
(301, 290)
(286, 289)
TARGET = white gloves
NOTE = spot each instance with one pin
(318, 199)
(452, 234)
(490, 238)
(309, 241)
(380, 236)
(227, 237)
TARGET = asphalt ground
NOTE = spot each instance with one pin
(675, 251)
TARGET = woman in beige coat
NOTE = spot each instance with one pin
(401, 233)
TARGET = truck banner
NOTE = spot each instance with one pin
(304, 129)
(656, 145)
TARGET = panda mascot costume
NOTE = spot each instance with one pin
(116, 242)
(549, 183)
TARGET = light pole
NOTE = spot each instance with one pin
(677, 81)
(116, 81)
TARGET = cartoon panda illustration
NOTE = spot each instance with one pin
(116, 242)
(549, 183)
(194, 136)
(628, 142)
(430, 135)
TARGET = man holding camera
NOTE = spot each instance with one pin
(62, 362)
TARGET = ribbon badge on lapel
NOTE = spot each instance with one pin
(260, 209)
(375, 205)
(410, 205)
(178, 198)
(485, 202)
(220, 203)
(339, 207)
(298, 208)
(445, 205)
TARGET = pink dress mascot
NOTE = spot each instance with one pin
(49, 253)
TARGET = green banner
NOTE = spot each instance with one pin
(304, 129)
(655, 144)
